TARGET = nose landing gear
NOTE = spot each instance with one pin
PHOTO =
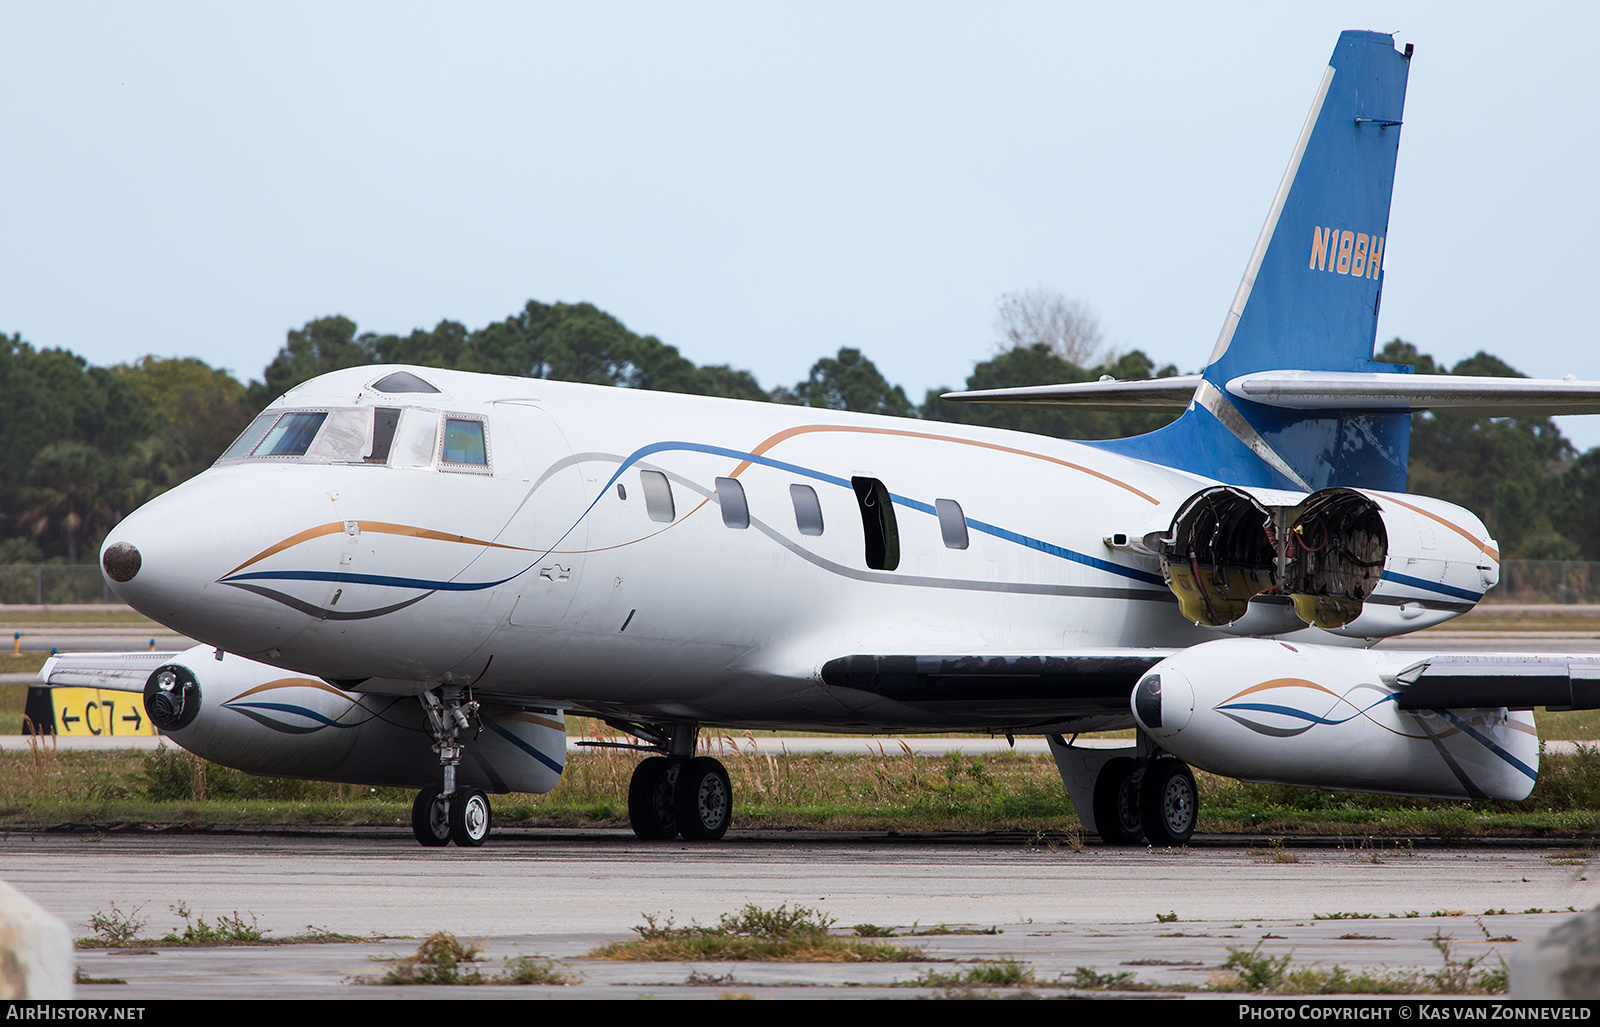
(470, 817)
(430, 818)
(440, 816)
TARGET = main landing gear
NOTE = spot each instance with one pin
(440, 816)
(1129, 795)
(677, 793)
(1145, 799)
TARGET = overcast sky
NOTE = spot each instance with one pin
(760, 184)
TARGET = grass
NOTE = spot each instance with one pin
(999, 973)
(787, 934)
(1011, 792)
(442, 959)
(119, 929)
(1250, 970)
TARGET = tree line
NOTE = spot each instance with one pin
(81, 446)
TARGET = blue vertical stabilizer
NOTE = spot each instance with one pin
(1309, 300)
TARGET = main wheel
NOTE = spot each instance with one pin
(1170, 802)
(650, 799)
(1116, 803)
(428, 820)
(470, 817)
(703, 800)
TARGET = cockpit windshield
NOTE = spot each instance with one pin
(292, 435)
(391, 436)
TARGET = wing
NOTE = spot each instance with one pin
(1518, 681)
(119, 672)
(1065, 690)
(996, 690)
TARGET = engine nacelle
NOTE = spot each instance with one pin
(1361, 564)
(264, 720)
(1325, 716)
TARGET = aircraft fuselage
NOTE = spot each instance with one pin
(647, 554)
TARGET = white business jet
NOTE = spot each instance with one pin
(407, 576)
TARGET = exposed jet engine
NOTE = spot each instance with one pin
(1357, 563)
(1333, 718)
(264, 720)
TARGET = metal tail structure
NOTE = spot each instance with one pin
(1309, 300)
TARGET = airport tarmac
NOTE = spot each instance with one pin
(1168, 916)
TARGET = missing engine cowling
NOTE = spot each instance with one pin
(1219, 554)
(1226, 547)
(1332, 556)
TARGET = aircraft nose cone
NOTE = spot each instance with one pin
(168, 558)
(121, 561)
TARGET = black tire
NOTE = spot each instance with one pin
(1117, 808)
(703, 800)
(428, 820)
(650, 805)
(1170, 802)
(470, 818)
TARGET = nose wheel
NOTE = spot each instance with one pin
(469, 818)
(464, 818)
(440, 816)
(430, 819)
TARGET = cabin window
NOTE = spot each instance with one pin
(878, 527)
(384, 421)
(730, 496)
(291, 435)
(465, 442)
(807, 509)
(952, 523)
(657, 496)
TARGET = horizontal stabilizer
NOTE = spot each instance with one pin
(1519, 682)
(1465, 394)
(1325, 391)
(118, 672)
(1172, 393)
(1082, 677)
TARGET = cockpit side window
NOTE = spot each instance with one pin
(292, 434)
(384, 421)
(415, 439)
(465, 445)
